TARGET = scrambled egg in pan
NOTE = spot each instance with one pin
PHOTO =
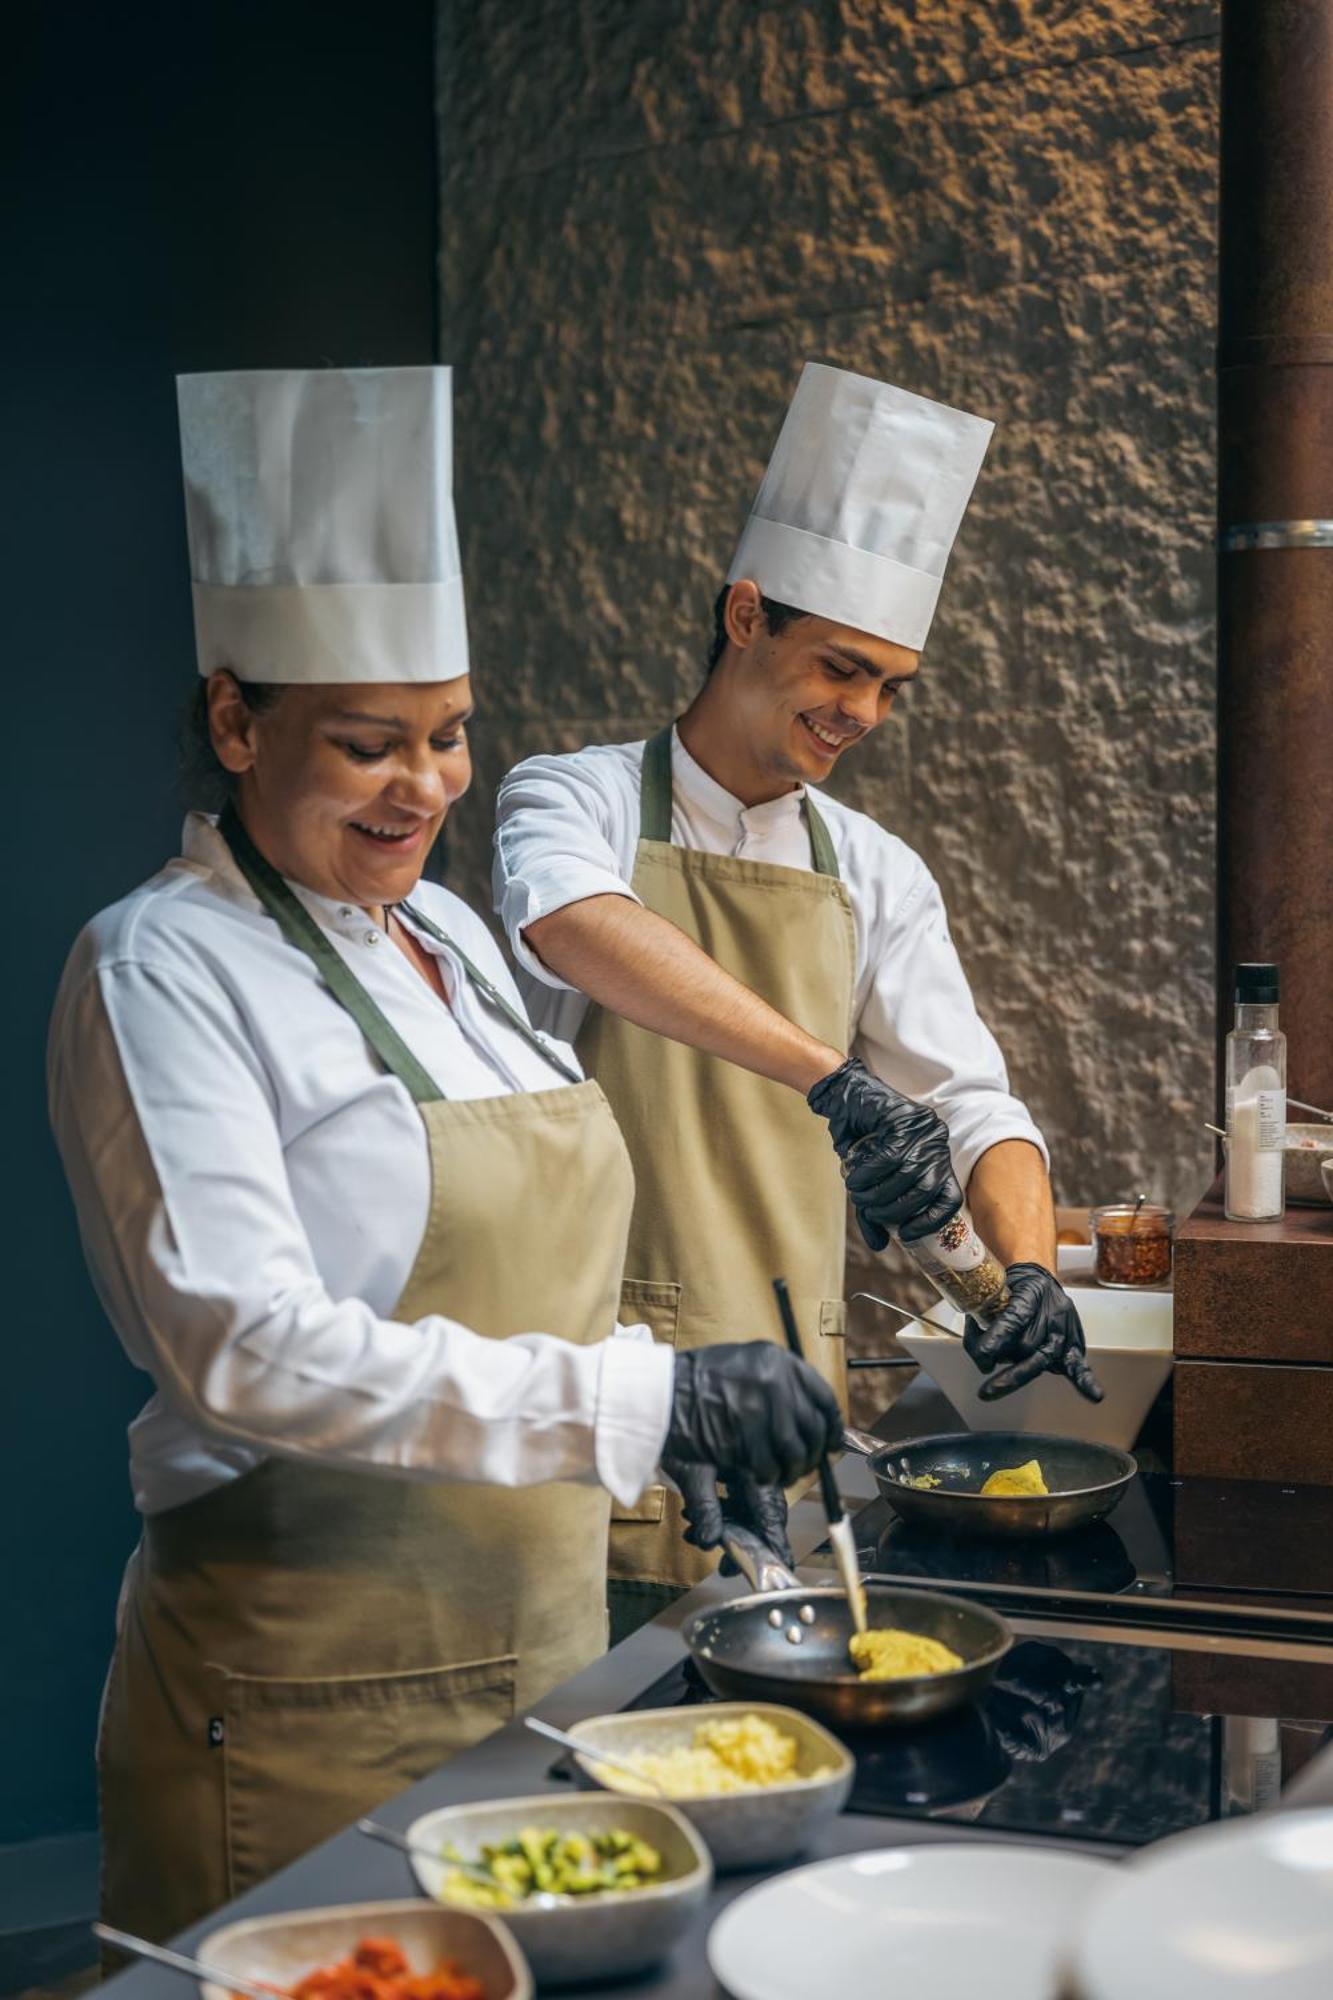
(1016, 1480)
(890, 1655)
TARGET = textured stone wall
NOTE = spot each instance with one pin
(651, 215)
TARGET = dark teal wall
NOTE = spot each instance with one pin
(207, 185)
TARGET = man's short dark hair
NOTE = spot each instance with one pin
(775, 617)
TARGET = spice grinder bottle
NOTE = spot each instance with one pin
(1256, 1086)
(961, 1268)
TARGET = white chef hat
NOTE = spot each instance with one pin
(862, 499)
(320, 515)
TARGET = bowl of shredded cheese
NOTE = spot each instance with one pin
(757, 1780)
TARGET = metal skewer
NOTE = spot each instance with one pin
(177, 1961)
(936, 1325)
(595, 1755)
(540, 1899)
(839, 1527)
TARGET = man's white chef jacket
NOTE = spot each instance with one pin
(567, 828)
(252, 1189)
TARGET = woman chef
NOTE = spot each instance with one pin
(361, 1224)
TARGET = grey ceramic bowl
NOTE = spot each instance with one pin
(1305, 1179)
(280, 1949)
(1326, 1169)
(590, 1937)
(743, 1829)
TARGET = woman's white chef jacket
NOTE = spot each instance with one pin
(252, 1189)
(567, 828)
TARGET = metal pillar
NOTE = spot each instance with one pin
(1275, 517)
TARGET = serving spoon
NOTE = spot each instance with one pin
(177, 1961)
(538, 1899)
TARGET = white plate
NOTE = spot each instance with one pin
(977, 1922)
(1129, 1337)
(1226, 1913)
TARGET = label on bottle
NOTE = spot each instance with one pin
(957, 1246)
(1271, 1134)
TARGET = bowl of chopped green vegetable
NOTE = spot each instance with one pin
(593, 1885)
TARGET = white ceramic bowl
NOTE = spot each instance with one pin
(742, 1829)
(1224, 1913)
(1129, 1337)
(948, 1922)
(1308, 1147)
(590, 1937)
(280, 1949)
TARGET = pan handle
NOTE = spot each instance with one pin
(864, 1443)
(762, 1570)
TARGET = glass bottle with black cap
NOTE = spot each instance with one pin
(1256, 1084)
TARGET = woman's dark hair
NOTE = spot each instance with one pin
(206, 783)
(775, 617)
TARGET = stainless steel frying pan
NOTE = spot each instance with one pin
(788, 1643)
(1086, 1481)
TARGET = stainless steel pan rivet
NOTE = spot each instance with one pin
(806, 1614)
(794, 1635)
(775, 1618)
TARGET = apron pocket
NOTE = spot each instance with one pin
(303, 1758)
(644, 1302)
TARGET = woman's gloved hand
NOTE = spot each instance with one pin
(1039, 1330)
(746, 1504)
(895, 1155)
(750, 1408)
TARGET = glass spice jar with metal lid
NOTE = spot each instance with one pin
(1132, 1244)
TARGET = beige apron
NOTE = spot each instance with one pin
(736, 1182)
(299, 1644)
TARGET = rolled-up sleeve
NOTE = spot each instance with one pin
(919, 1030)
(566, 829)
(167, 1129)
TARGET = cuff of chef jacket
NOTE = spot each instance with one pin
(541, 894)
(633, 1410)
(967, 1149)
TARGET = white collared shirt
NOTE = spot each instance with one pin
(568, 826)
(252, 1189)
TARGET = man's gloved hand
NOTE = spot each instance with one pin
(748, 1407)
(747, 1504)
(895, 1155)
(1038, 1330)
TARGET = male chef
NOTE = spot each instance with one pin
(732, 949)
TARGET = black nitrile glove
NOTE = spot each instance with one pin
(1038, 1330)
(747, 1504)
(894, 1153)
(750, 1407)
(1036, 1699)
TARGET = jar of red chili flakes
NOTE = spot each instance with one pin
(1132, 1247)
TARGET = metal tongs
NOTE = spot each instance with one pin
(839, 1527)
(916, 1318)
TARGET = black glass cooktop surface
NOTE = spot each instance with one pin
(1172, 1540)
(1087, 1739)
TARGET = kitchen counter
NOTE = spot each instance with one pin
(512, 1762)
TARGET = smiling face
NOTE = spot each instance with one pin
(782, 707)
(344, 788)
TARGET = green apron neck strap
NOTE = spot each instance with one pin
(655, 791)
(491, 993)
(822, 851)
(655, 805)
(300, 929)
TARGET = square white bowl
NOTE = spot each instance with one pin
(590, 1937)
(1131, 1347)
(742, 1829)
(282, 1948)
